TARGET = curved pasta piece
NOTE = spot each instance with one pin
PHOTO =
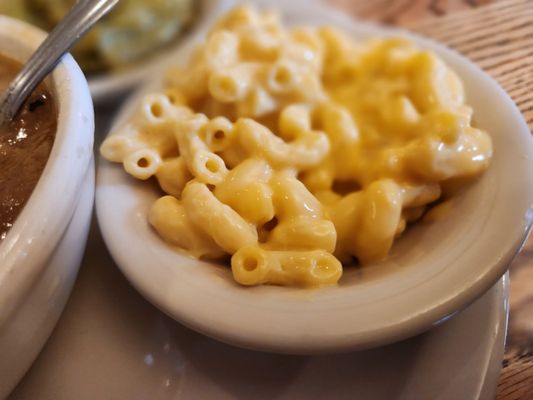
(157, 108)
(205, 165)
(336, 44)
(175, 96)
(191, 82)
(142, 164)
(283, 77)
(305, 48)
(338, 124)
(434, 160)
(155, 122)
(254, 266)
(236, 18)
(420, 195)
(246, 190)
(218, 134)
(294, 120)
(118, 146)
(345, 215)
(400, 116)
(434, 85)
(303, 233)
(257, 104)
(169, 218)
(380, 212)
(258, 140)
(319, 178)
(227, 228)
(367, 221)
(310, 90)
(173, 175)
(292, 198)
(221, 49)
(233, 84)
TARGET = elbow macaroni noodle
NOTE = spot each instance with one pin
(296, 150)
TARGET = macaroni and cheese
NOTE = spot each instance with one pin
(295, 151)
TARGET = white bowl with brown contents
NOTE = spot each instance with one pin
(41, 253)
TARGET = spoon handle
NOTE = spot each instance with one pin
(83, 15)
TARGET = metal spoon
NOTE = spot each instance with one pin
(70, 29)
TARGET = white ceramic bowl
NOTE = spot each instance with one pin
(432, 272)
(41, 254)
(111, 87)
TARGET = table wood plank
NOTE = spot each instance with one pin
(498, 36)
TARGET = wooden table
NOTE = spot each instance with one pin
(497, 35)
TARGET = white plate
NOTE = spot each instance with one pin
(433, 270)
(112, 344)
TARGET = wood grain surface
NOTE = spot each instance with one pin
(498, 36)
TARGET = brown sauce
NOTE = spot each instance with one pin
(25, 145)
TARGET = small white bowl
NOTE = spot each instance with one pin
(111, 87)
(433, 271)
(40, 256)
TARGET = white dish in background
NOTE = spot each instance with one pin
(433, 270)
(112, 344)
(113, 86)
(41, 254)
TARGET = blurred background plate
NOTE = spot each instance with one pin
(130, 44)
(112, 87)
